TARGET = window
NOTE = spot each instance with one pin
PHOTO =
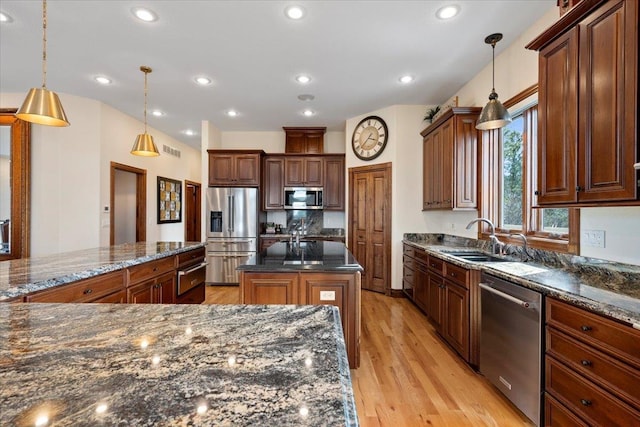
(509, 172)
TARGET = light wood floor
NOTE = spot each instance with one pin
(407, 375)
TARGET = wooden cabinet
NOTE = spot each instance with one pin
(592, 368)
(273, 183)
(304, 140)
(191, 274)
(107, 287)
(565, 5)
(234, 168)
(408, 271)
(339, 289)
(303, 171)
(159, 290)
(421, 279)
(450, 161)
(588, 113)
(334, 183)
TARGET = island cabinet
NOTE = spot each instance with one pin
(315, 288)
(303, 171)
(234, 168)
(304, 140)
(105, 288)
(592, 368)
(191, 275)
(152, 282)
(273, 183)
(450, 161)
(588, 106)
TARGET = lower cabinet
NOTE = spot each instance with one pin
(159, 290)
(339, 289)
(107, 287)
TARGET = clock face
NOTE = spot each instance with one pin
(369, 138)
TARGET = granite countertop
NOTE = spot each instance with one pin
(607, 288)
(149, 365)
(22, 276)
(308, 255)
(286, 236)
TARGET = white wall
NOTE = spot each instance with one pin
(70, 174)
(274, 141)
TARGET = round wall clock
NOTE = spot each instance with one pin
(369, 138)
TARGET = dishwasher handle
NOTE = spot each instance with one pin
(501, 294)
(192, 269)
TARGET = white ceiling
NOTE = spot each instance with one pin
(355, 51)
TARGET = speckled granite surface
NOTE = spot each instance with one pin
(161, 365)
(608, 288)
(308, 255)
(20, 277)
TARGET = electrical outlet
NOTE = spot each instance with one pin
(593, 238)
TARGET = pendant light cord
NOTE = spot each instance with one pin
(493, 62)
(145, 101)
(44, 44)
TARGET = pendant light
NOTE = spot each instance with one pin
(43, 106)
(144, 145)
(493, 115)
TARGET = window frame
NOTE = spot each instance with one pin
(491, 187)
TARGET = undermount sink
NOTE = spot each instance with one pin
(476, 256)
(301, 262)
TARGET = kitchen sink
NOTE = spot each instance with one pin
(475, 256)
(302, 262)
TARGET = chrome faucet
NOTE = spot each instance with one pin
(495, 243)
(302, 226)
(525, 252)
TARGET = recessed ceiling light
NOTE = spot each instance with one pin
(203, 80)
(157, 113)
(448, 12)
(103, 80)
(406, 79)
(306, 97)
(308, 113)
(232, 113)
(143, 14)
(189, 132)
(4, 18)
(294, 12)
(303, 78)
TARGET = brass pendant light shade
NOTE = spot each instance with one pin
(144, 145)
(43, 106)
(493, 115)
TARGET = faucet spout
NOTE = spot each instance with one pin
(495, 243)
(525, 252)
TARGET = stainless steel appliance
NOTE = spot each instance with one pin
(303, 198)
(511, 342)
(189, 278)
(232, 225)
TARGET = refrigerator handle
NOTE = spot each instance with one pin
(232, 212)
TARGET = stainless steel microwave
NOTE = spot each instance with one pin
(303, 197)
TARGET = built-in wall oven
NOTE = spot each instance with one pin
(232, 236)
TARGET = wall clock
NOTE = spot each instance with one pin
(369, 138)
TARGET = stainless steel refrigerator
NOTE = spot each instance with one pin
(232, 237)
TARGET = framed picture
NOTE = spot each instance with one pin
(169, 200)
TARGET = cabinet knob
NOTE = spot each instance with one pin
(585, 328)
(585, 402)
(578, 188)
(585, 362)
(537, 193)
(87, 291)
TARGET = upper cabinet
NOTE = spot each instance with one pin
(303, 171)
(273, 183)
(334, 182)
(588, 106)
(308, 140)
(450, 161)
(234, 168)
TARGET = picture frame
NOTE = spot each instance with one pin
(169, 200)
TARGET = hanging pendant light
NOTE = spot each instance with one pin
(144, 145)
(493, 115)
(41, 105)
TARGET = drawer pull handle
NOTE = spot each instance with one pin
(585, 402)
(87, 291)
(585, 328)
(452, 274)
(586, 362)
(155, 268)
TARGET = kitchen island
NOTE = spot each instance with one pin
(148, 365)
(308, 272)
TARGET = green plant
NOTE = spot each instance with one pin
(431, 113)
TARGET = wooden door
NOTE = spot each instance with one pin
(370, 224)
(435, 299)
(456, 321)
(221, 169)
(266, 288)
(143, 293)
(273, 192)
(294, 172)
(446, 166)
(192, 211)
(427, 172)
(313, 172)
(334, 183)
(466, 163)
(166, 289)
(247, 170)
(140, 201)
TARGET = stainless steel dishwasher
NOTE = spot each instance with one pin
(511, 342)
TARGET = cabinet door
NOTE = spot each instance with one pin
(119, 297)
(436, 170)
(294, 172)
(273, 192)
(435, 289)
(420, 285)
(265, 288)
(427, 172)
(334, 183)
(466, 164)
(315, 143)
(608, 103)
(221, 168)
(313, 171)
(295, 142)
(247, 170)
(456, 318)
(166, 289)
(87, 290)
(558, 120)
(142, 293)
(445, 199)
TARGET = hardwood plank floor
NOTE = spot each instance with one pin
(408, 376)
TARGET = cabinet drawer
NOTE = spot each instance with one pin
(611, 374)
(86, 290)
(421, 256)
(586, 399)
(149, 270)
(457, 274)
(557, 415)
(407, 275)
(407, 262)
(436, 264)
(191, 257)
(408, 251)
(617, 340)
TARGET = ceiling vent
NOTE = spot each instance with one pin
(171, 151)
